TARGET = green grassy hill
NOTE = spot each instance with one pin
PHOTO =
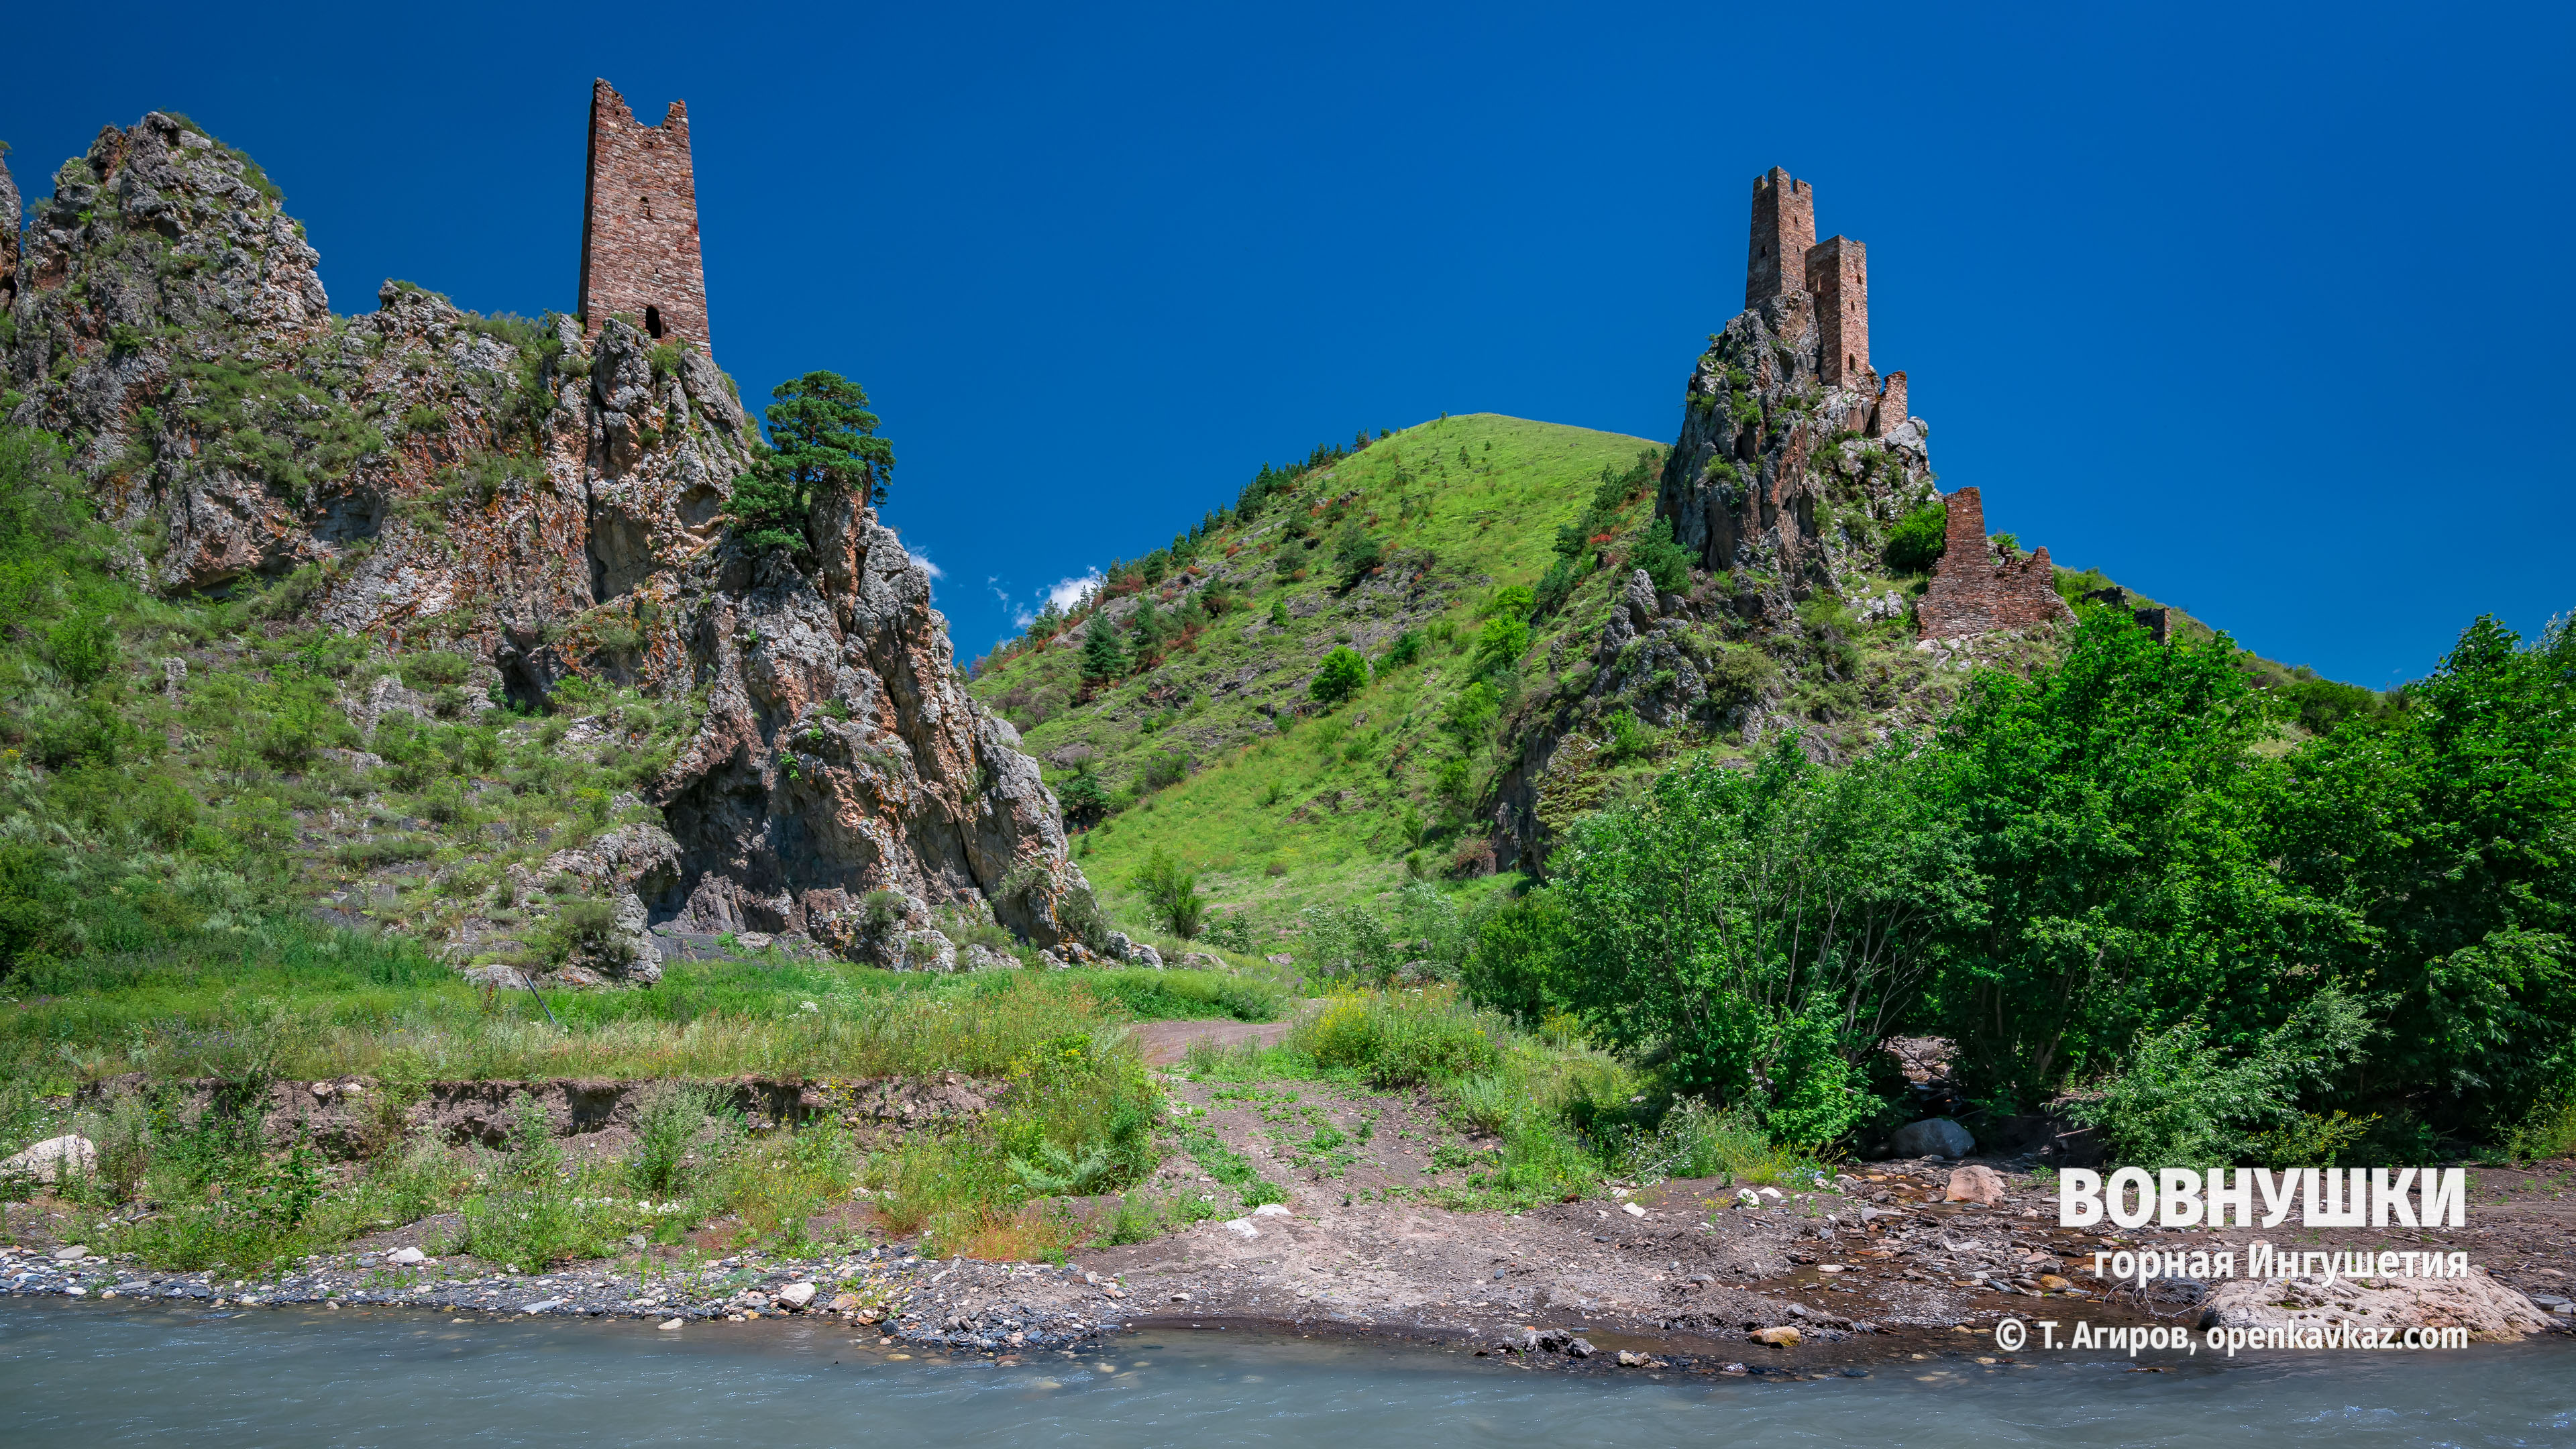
(1204, 744)
(1204, 754)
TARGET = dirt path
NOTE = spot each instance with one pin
(1167, 1042)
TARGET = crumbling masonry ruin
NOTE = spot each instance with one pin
(1978, 588)
(639, 229)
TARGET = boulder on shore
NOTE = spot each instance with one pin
(1931, 1137)
(45, 1161)
(2490, 1311)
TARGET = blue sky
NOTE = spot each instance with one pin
(2253, 308)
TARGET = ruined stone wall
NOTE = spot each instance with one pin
(1838, 275)
(1784, 227)
(1975, 590)
(1889, 412)
(639, 231)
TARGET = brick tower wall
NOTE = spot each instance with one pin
(639, 230)
(1784, 227)
(1974, 592)
(1838, 275)
(1889, 414)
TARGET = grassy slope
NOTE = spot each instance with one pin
(1345, 806)
(1326, 802)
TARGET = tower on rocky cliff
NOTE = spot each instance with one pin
(1838, 276)
(1784, 226)
(1784, 256)
(639, 228)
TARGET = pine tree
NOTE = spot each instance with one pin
(1102, 655)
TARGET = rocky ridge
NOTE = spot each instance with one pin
(549, 509)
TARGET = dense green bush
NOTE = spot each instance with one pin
(1342, 674)
(2107, 874)
(1917, 541)
(1665, 562)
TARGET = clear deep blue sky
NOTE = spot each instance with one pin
(2263, 311)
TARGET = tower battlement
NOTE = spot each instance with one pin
(639, 228)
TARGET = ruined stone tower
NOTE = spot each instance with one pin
(1976, 589)
(639, 228)
(1784, 256)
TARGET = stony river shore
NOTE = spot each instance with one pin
(1869, 1262)
(1889, 1262)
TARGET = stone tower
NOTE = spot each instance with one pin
(1784, 256)
(1784, 226)
(639, 227)
(1838, 276)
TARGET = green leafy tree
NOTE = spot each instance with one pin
(1767, 930)
(1343, 674)
(1082, 795)
(2439, 841)
(822, 442)
(2114, 806)
(1145, 628)
(1500, 644)
(1471, 715)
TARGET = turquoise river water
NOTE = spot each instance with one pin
(103, 1374)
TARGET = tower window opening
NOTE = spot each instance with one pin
(653, 320)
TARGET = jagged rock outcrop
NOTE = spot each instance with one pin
(549, 507)
(841, 755)
(1785, 479)
(1782, 485)
(11, 207)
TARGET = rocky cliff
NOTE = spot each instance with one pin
(1779, 477)
(550, 511)
(1781, 487)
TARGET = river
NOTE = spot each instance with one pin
(107, 1374)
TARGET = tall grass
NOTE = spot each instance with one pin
(1401, 1038)
(317, 1014)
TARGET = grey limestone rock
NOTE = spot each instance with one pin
(1931, 1137)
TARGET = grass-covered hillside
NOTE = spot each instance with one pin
(1401, 552)
(1470, 565)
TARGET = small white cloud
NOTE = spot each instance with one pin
(1069, 592)
(1022, 618)
(932, 569)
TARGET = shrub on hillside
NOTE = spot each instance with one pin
(1171, 892)
(1665, 562)
(2184, 1101)
(1400, 1039)
(1918, 539)
(1343, 674)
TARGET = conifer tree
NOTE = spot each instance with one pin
(1102, 655)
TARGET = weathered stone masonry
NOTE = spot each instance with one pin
(639, 230)
(1976, 590)
(1784, 256)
